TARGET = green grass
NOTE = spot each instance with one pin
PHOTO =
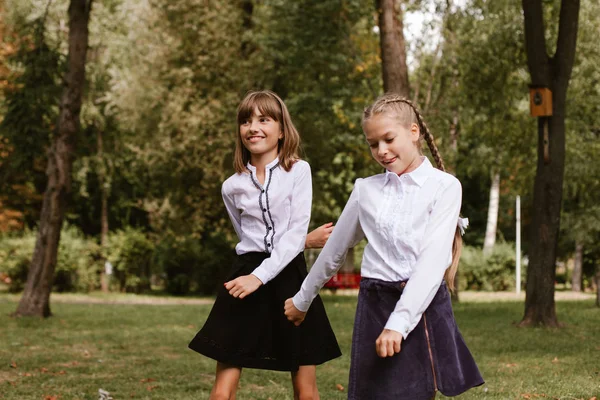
(140, 352)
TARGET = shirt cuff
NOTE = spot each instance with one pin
(399, 324)
(301, 305)
(262, 276)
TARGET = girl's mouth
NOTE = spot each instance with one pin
(254, 139)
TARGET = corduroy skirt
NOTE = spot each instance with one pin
(254, 332)
(434, 356)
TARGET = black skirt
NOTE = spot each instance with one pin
(433, 357)
(254, 333)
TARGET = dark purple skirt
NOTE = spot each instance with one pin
(255, 333)
(434, 357)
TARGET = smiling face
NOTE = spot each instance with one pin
(260, 134)
(394, 146)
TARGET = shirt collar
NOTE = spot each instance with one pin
(418, 176)
(267, 167)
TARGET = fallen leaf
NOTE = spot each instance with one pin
(511, 365)
(339, 387)
(48, 397)
(593, 398)
(86, 353)
(13, 364)
(27, 374)
(151, 388)
(62, 372)
(555, 360)
(147, 380)
(44, 370)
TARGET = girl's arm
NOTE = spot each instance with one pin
(232, 210)
(347, 233)
(431, 264)
(292, 241)
(317, 238)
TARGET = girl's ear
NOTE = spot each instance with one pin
(415, 132)
(280, 135)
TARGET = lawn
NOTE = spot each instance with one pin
(139, 351)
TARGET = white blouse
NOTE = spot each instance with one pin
(272, 217)
(409, 222)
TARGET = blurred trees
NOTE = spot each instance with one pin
(164, 80)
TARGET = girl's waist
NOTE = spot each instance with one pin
(383, 285)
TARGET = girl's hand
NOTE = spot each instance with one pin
(317, 238)
(243, 286)
(388, 343)
(292, 313)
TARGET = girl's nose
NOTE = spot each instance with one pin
(382, 150)
(254, 126)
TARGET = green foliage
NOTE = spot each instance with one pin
(130, 252)
(164, 79)
(79, 262)
(77, 268)
(30, 108)
(15, 258)
(193, 265)
(492, 272)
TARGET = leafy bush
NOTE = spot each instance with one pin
(192, 265)
(493, 272)
(77, 267)
(130, 251)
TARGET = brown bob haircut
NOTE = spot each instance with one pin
(270, 105)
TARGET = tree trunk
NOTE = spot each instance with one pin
(554, 73)
(36, 296)
(393, 49)
(577, 268)
(492, 218)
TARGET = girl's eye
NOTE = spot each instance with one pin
(264, 120)
(372, 145)
(389, 140)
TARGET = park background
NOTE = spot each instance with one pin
(134, 177)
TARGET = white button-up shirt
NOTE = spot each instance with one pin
(272, 217)
(409, 222)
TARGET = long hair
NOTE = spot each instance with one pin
(407, 114)
(271, 105)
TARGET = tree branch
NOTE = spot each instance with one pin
(537, 56)
(567, 40)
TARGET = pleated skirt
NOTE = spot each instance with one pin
(434, 357)
(254, 333)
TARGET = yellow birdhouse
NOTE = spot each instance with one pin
(540, 101)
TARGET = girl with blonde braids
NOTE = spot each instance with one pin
(405, 344)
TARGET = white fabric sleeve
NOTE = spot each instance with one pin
(234, 213)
